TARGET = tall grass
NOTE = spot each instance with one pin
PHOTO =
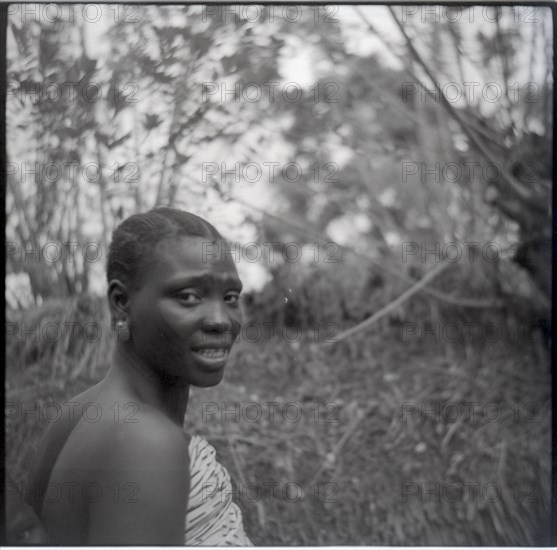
(338, 475)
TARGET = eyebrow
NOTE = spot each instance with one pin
(206, 279)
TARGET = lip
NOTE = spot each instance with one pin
(211, 364)
(211, 346)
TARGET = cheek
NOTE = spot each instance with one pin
(179, 323)
(163, 347)
(165, 320)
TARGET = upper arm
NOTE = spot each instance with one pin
(142, 488)
(50, 446)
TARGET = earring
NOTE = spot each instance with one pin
(123, 331)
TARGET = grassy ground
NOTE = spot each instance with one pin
(352, 469)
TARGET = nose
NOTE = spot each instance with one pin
(217, 319)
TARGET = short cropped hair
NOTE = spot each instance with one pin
(135, 239)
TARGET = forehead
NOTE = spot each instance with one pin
(185, 255)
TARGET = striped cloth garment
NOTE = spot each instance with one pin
(212, 518)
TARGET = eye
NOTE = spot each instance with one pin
(232, 298)
(189, 298)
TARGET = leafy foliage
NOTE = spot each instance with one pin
(362, 147)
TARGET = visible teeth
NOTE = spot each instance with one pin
(215, 353)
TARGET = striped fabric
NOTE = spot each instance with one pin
(212, 518)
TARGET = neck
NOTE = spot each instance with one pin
(168, 395)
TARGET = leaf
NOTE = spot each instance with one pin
(151, 121)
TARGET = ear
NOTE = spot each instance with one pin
(118, 300)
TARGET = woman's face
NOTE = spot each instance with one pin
(186, 315)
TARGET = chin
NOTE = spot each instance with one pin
(207, 379)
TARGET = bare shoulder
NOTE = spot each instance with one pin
(131, 479)
(53, 441)
(153, 440)
(138, 438)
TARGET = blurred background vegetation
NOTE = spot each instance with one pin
(152, 129)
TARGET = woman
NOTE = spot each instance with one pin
(119, 468)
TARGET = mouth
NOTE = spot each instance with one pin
(212, 358)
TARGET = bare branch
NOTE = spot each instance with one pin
(478, 144)
(393, 305)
